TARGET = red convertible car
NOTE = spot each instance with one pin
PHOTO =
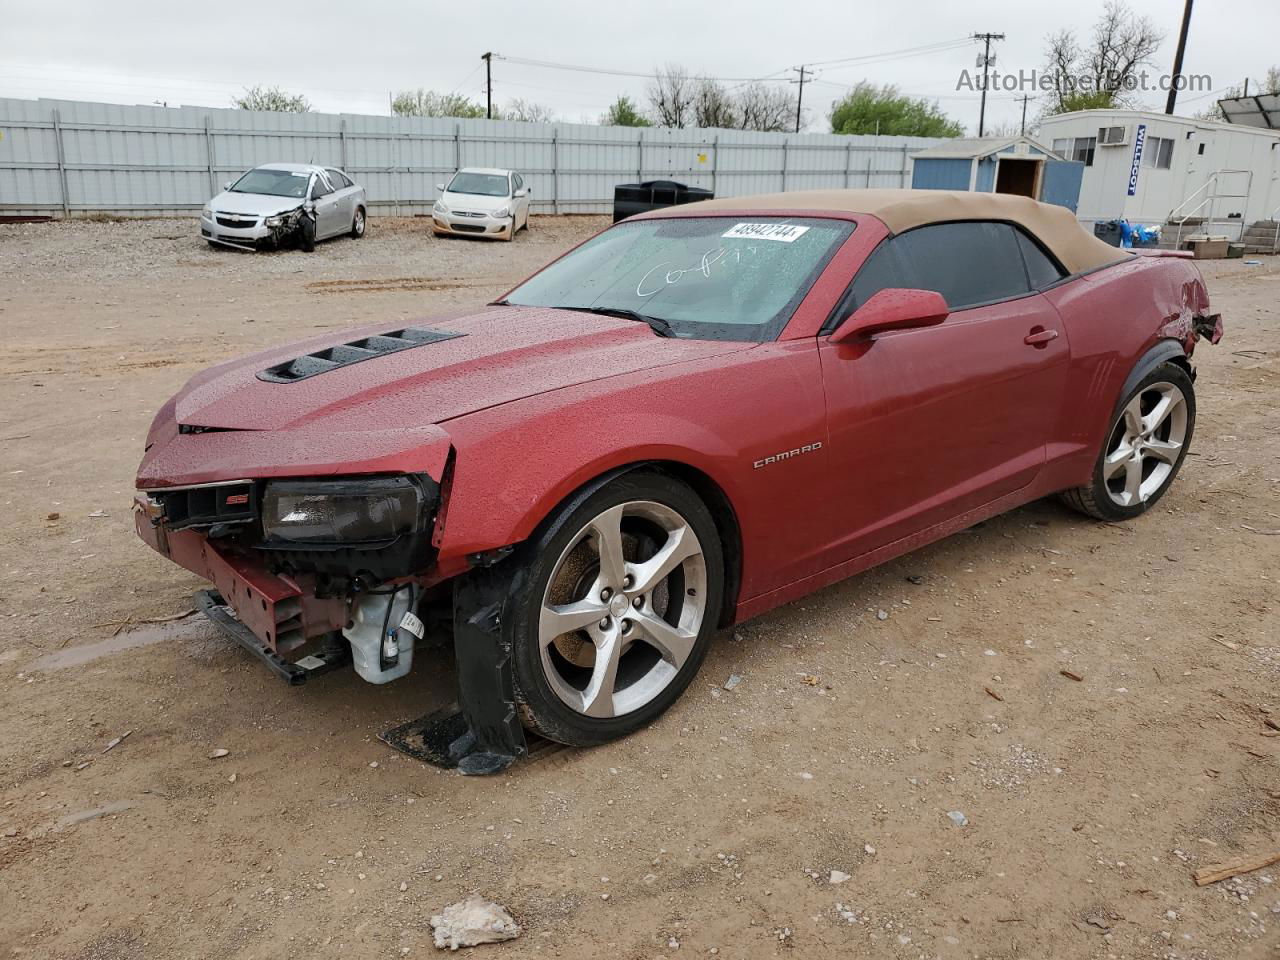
(695, 416)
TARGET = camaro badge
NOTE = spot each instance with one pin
(788, 454)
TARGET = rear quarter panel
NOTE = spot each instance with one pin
(1113, 317)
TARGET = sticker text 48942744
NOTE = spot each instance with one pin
(783, 232)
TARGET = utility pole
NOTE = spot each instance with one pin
(985, 62)
(1025, 98)
(488, 84)
(799, 93)
(1177, 59)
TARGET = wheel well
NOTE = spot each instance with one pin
(726, 521)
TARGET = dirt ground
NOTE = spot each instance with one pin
(1089, 802)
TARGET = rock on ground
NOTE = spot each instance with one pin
(472, 922)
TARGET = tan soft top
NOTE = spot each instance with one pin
(899, 210)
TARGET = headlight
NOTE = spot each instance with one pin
(501, 214)
(274, 221)
(341, 512)
(440, 208)
(207, 212)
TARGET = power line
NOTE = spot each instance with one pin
(904, 53)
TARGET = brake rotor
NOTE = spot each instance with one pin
(576, 576)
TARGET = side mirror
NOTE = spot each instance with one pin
(227, 185)
(522, 192)
(440, 187)
(893, 309)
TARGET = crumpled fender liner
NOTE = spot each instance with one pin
(486, 691)
(483, 734)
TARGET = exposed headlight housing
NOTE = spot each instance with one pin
(343, 513)
(274, 221)
(501, 214)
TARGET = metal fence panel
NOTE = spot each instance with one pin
(65, 157)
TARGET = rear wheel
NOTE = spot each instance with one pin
(614, 608)
(1144, 448)
(358, 224)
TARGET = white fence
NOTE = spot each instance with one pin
(63, 158)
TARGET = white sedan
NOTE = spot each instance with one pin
(482, 202)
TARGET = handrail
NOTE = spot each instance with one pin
(1212, 178)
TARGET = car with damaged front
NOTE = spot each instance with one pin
(285, 204)
(696, 415)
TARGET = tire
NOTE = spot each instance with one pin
(358, 223)
(1128, 478)
(307, 234)
(659, 627)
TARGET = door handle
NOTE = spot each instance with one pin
(1040, 338)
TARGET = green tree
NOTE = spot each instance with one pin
(623, 113)
(871, 109)
(428, 103)
(1085, 100)
(274, 99)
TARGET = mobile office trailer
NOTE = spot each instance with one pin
(1193, 176)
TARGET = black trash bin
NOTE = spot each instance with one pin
(1108, 231)
(632, 198)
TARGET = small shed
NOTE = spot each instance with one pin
(1017, 165)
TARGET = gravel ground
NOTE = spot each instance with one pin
(107, 251)
(903, 770)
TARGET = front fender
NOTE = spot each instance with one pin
(728, 418)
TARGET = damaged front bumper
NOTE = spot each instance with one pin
(300, 568)
(250, 232)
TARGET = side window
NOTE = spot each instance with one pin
(1041, 270)
(338, 179)
(968, 263)
(319, 188)
(519, 180)
(882, 271)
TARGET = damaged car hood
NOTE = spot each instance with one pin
(467, 362)
(257, 204)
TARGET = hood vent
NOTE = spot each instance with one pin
(345, 354)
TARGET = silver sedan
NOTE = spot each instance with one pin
(279, 204)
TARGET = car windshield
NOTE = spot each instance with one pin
(275, 183)
(707, 278)
(481, 184)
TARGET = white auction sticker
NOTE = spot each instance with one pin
(785, 232)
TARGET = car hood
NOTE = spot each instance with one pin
(473, 201)
(257, 204)
(501, 354)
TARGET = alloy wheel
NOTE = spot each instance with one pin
(1145, 444)
(623, 609)
(359, 222)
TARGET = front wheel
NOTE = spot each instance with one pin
(358, 224)
(307, 234)
(1144, 448)
(614, 607)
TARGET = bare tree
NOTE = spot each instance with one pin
(712, 105)
(671, 95)
(767, 108)
(526, 110)
(273, 99)
(1271, 83)
(1105, 72)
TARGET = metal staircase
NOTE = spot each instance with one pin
(1198, 213)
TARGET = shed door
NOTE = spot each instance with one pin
(1061, 183)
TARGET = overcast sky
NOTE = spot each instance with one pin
(347, 56)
